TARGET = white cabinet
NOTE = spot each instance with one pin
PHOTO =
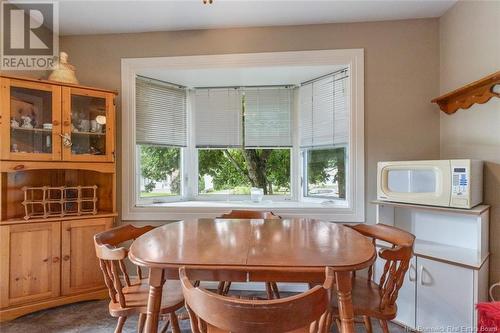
(448, 275)
(435, 294)
(445, 295)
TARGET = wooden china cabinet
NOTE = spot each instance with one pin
(53, 135)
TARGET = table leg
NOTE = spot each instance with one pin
(344, 286)
(156, 281)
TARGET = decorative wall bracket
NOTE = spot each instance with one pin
(479, 92)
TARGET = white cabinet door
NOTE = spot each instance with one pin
(407, 294)
(407, 297)
(444, 296)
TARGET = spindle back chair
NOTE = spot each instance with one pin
(128, 298)
(378, 299)
(249, 214)
(304, 313)
(110, 255)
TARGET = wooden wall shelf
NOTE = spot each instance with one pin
(478, 92)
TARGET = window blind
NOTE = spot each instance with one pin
(218, 121)
(268, 117)
(160, 113)
(324, 111)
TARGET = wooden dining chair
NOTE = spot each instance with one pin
(130, 297)
(249, 214)
(378, 300)
(213, 313)
(271, 287)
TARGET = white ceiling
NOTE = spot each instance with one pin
(244, 76)
(79, 17)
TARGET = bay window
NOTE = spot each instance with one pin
(242, 138)
(199, 148)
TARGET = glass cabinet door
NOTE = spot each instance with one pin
(88, 122)
(30, 120)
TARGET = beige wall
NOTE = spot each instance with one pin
(401, 73)
(469, 50)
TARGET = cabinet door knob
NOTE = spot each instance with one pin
(55, 259)
(422, 270)
(19, 167)
(66, 258)
(413, 270)
(66, 123)
(55, 122)
(491, 290)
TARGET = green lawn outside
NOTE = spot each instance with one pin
(155, 194)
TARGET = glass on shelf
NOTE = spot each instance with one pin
(88, 125)
(30, 121)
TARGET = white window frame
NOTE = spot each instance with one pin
(350, 210)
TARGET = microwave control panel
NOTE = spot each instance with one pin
(460, 181)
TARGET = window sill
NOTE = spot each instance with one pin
(331, 211)
(267, 204)
(245, 204)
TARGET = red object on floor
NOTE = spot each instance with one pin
(488, 317)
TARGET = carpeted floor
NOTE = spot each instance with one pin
(92, 317)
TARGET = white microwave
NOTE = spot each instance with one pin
(446, 183)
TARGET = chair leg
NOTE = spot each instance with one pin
(165, 326)
(338, 324)
(383, 325)
(175, 323)
(368, 324)
(276, 291)
(141, 322)
(119, 325)
(269, 290)
(220, 287)
(328, 322)
(227, 286)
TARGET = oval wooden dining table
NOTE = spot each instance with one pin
(287, 250)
